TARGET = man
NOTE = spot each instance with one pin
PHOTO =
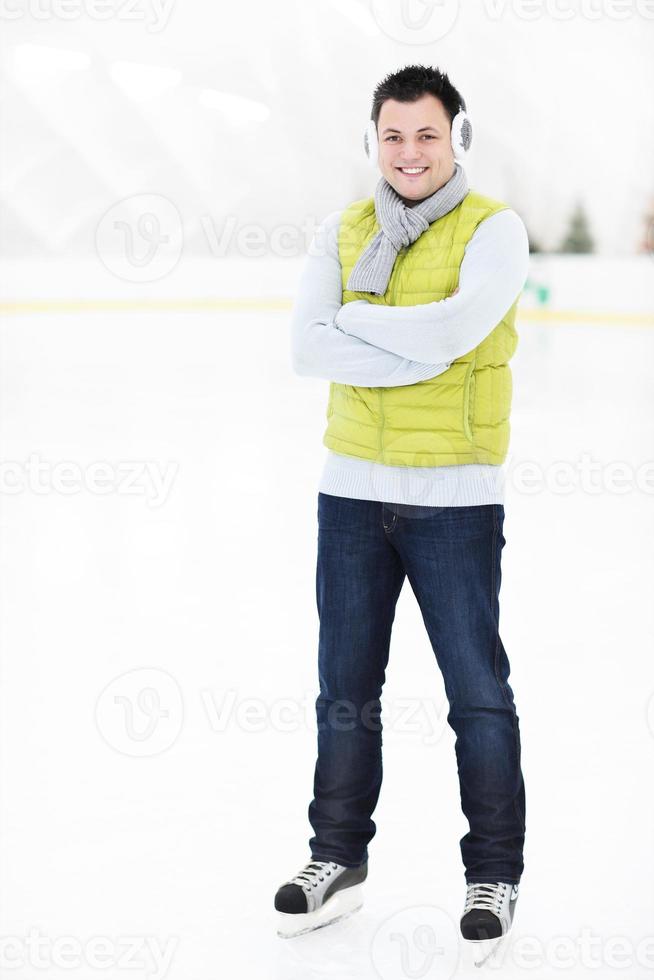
(408, 309)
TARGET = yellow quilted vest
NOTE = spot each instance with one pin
(460, 416)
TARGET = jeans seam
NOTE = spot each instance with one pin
(514, 723)
(493, 563)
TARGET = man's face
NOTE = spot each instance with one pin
(415, 134)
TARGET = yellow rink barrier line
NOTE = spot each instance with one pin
(276, 305)
(137, 305)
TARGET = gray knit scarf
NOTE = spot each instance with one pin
(400, 226)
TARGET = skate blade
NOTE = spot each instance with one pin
(482, 950)
(340, 905)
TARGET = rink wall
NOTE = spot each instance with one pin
(567, 286)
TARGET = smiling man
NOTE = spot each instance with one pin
(407, 305)
(416, 166)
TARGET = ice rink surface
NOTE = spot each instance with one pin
(159, 641)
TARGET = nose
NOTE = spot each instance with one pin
(410, 153)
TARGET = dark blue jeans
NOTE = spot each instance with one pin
(451, 556)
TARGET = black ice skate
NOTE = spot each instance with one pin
(322, 892)
(488, 915)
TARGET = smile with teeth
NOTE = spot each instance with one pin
(412, 170)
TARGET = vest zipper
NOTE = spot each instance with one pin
(381, 427)
(467, 408)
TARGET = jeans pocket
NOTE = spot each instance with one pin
(337, 513)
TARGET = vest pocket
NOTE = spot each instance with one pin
(468, 401)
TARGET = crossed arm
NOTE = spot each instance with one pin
(319, 348)
(369, 344)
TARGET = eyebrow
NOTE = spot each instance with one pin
(390, 130)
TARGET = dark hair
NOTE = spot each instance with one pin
(411, 83)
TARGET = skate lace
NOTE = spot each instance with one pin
(311, 871)
(486, 896)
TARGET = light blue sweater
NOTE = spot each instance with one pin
(372, 345)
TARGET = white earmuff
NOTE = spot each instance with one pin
(461, 135)
(371, 143)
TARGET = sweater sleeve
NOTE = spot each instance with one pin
(492, 275)
(319, 348)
